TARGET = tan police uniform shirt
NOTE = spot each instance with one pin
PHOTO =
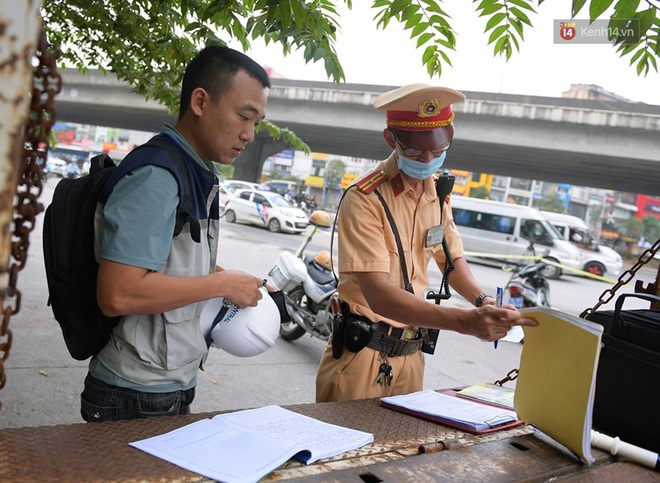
(367, 244)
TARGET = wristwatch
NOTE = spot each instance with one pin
(480, 299)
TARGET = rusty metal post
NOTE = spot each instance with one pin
(20, 28)
(18, 42)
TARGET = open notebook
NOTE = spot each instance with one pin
(244, 446)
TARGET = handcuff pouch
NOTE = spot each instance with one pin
(357, 334)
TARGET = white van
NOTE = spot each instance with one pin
(493, 227)
(597, 259)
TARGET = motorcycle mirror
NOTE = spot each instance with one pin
(321, 218)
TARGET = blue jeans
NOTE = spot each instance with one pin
(103, 402)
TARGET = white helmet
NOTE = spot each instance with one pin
(242, 332)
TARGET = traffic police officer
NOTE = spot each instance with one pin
(390, 226)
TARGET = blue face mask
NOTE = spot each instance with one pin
(418, 169)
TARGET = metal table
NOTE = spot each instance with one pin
(405, 449)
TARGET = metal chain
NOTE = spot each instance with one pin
(46, 84)
(511, 376)
(625, 278)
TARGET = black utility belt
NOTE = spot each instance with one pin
(359, 332)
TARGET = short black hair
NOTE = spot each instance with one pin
(213, 69)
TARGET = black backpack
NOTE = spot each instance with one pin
(68, 243)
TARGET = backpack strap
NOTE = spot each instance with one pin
(174, 161)
(184, 213)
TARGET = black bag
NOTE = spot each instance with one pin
(627, 401)
(68, 243)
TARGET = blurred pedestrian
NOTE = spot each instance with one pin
(72, 170)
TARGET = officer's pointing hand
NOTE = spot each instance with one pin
(493, 323)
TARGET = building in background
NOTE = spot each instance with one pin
(592, 92)
(465, 182)
(117, 143)
(647, 206)
(317, 173)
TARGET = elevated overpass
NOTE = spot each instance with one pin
(613, 145)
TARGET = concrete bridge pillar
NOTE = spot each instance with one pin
(248, 166)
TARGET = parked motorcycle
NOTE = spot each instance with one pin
(308, 285)
(528, 286)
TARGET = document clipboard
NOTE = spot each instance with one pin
(459, 413)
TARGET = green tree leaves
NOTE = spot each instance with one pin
(598, 7)
(632, 227)
(650, 228)
(480, 192)
(554, 204)
(427, 22)
(334, 171)
(506, 22)
(645, 50)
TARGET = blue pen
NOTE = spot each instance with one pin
(500, 301)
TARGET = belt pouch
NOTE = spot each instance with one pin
(429, 347)
(357, 335)
(338, 336)
(339, 322)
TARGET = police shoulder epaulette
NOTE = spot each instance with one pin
(371, 182)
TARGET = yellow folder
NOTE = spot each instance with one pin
(557, 377)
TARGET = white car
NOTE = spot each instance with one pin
(223, 196)
(56, 166)
(232, 185)
(263, 208)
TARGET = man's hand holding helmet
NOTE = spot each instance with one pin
(241, 288)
